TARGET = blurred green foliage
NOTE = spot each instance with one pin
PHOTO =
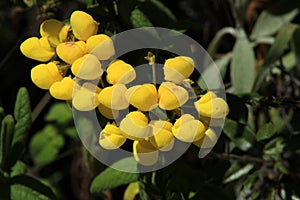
(256, 45)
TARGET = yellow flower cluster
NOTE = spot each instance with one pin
(81, 51)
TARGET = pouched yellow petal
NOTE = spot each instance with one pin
(87, 67)
(84, 100)
(162, 138)
(144, 97)
(214, 122)
(32, 48)
(208, 141)
(63, 33)
(83, 25)
(207, 97)
(45, 44)
(145, 153)
(120, 72)
(113, 97)
(44, 75)
(111, 137)
(50, 28)
(188, 129)
(101, 46)
(135, 126)
(63, 89)
(171, 96)
(179, 68)
(71, 51)
(215, 108)
(107, 112)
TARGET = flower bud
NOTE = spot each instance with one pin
(135, 126)
(37, 49)
(188, 129)
(208, 141)
(120, 72)
(101, 46)
(212, 106)
(87, 67)
(171, 96)
(44, 75)
(51, 28)
(83, 25)
(145, 153)
(111, 137)
(63, 33)
(162, 138)
(143, 97)
(113, 97)
(179, 68)
(63, 89)
(71, 51)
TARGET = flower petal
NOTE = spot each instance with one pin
(208, 141)
(215, 108)
(145, 153)
(162, 138)
(71, 51)
(113, 97)
(63, 89)
(111, 137)
(101, 46)
(107, 112)
(120, 72)
(50, 28)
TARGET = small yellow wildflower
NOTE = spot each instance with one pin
(87, 67)
(51, 28)
(113, 97)
(144, 152)
(111, 137)
(44, 75)
(85, 98)
(37, 49)
(179, 68)
(62, 89)
(71, 51)
(107, 112)
(120, 72)
(162, 138)
(188, 129)
(208, 141)
(143, 97)
(83, 25)
(171, 96)
(101, 46)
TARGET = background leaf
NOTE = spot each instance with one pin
(239, 173)
(242, 65)
(139, 19)
(265, 132)
(6, 136)
(60, 113)
(45, 145)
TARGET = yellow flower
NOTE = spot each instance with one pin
(37, 49)
(179, 68)
(188, 129)
(107, 112)
(63, 89)
(83, 25)
(44, 75)
(135, 126)
(87, 67)
(71, 51)
(101, 46)
(111, 137)
(51, 28)
(162, 138)
(143, 97)
(63, 33)
(113, 97)
(120, 72)
(208, 141)
(211, 106)
(144, 152)
(85, 97)
(171, 96)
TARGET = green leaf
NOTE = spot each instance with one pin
(268, 24)
(25, 187)
(241, 135)
(214, 44)
(242, 65)
(276, 51)
(239, 173)
(296, 46)
(111, 178)
(2, 114)
(18, 169)
(6, 136)
(139, 19)
(22, 113)
(265, 132)
(45, 145)
(246, 190)
(60, 113)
